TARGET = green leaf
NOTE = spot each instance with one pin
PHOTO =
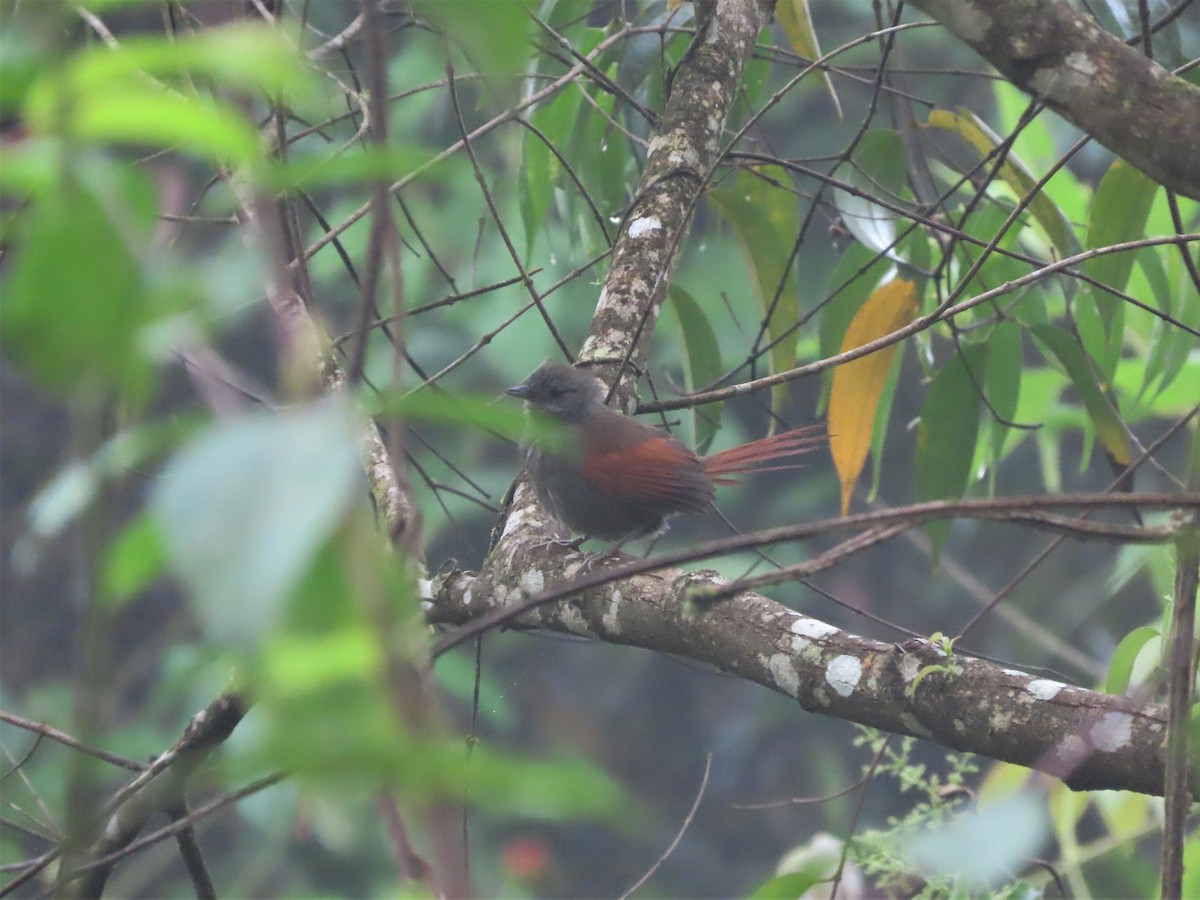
(1005, 364)
(1120, 667)
(1119, 212)
(974, 131)
(879, 170)
(134, 560)
(428, 405)
(702, 361)
(947, 433)
(245, 506)
(248, 56)
(318, 170)
(1102, 413)
(540, 169)
(490, 33)
(765, 221)
(75, 298)
(788, 886)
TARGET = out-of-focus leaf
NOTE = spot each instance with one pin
(1100, 410)
(1191, 866)
(947, 433)
(145, 114)
(1125, 813)
(986, 846)
(75, 297)
(1120, 667)
(1005, 363)
(135, 559)
(972, 129)
(702, 361)
(490, 33)
(323, 170)
(1119, 212)
(327, 720)
(788, 886)
(244, 508)
(765, 221)
(879, 170)
(796, 20)
(250, 56)
(858, 385)
(457, 409)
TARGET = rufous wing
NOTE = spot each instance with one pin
(643, 464)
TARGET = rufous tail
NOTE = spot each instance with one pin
(750, 457)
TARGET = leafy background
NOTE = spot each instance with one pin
(163, 533)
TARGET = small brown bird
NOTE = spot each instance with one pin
(615, 478)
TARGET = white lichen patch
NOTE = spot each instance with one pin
(814, 629)
(1000, 721)
(1112, 732)
(467, 597)
(612, 616)
(1071, 747)
(843, 674)
(909, 667)
(783, 672)
(1081, 63)
(533, 581)
(425, 588)
(644, 225)
(572, 620)
(959, 726)
(1044, 688)
(516, 520)
(1077, 71)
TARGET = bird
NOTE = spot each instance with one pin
(607, 475)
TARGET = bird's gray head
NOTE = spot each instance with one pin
(560, 391)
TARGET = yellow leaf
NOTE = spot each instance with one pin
(858, 384)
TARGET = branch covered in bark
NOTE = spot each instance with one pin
(1091, 740)
(1059, 54)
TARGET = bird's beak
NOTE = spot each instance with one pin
(519, 390)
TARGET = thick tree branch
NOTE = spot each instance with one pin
(1054, 50)
(1091, 740)
(683, 152)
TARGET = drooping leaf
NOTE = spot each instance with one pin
(1005, 364)
(1120, 666)
(879, 170)
(796, 20)
(1096, 400)
(490, 33)
(556, 119)
(702, 361)
(1119, 212)
(858, 385)
(972, 129)
(244, 507)
(765, 221)
(948, 431)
